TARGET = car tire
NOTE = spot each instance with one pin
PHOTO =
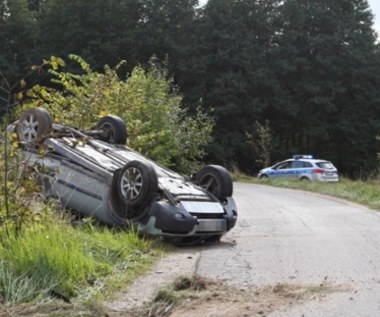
(215, 179)
(113, 128)
(137, 185)
(33, 126)
(264, 176)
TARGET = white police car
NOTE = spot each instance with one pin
(303, 167)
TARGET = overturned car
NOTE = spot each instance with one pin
(95, 174)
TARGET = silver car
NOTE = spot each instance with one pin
(95, 174)
(303, 167)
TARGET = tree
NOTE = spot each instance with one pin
(17, 38)
(105, 32)
(328, 101)
(262, 142)
(232, 71)
(100, 31)
(164, 28)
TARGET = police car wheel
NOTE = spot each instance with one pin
(264, 176)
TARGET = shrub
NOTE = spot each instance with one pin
(158, 125)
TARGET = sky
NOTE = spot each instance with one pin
(375, 7)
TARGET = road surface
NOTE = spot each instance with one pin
(294, 237)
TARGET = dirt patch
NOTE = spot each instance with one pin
(216, 299)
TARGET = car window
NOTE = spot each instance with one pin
(326, 165)
(283, 165)
(300, 164)
(297, 164)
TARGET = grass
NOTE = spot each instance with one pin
(362, 192)
(82, 264)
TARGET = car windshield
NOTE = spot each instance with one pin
(326, 165)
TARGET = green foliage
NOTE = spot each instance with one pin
(231, 45)
(262, 142)
(102, 32)
(18, 33)
(158, 126)
(18, 186)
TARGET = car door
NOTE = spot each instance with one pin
(282, 170)
(297, 168)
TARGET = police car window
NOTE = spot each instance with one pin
(326, 165)
(282, 166)
(297, 164)
(307, 164)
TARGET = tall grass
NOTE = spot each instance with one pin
(55, 259)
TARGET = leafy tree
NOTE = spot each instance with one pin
(164, 30)
(17, 38)
(100, 31)
(157, 124)
(232, 71)
(325, 60)
(262, 142)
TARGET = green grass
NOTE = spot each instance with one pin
(366, 193)
(83, 263)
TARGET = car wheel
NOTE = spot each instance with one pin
(264, 176)
(137, 185)
(113, 129)
(33, 126)
(215, 179)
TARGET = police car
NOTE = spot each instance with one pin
(303, 167)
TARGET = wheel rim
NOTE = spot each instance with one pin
(209, 183)
(108, 132)
(29, 128)
(131, 183)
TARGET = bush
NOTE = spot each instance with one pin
(158, 126)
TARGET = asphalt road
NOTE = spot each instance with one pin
(294, 237)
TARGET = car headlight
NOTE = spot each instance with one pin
(179, 216)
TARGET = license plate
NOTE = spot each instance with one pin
(212, 225)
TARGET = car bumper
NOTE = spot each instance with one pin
(325, 178)
(165, 219)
